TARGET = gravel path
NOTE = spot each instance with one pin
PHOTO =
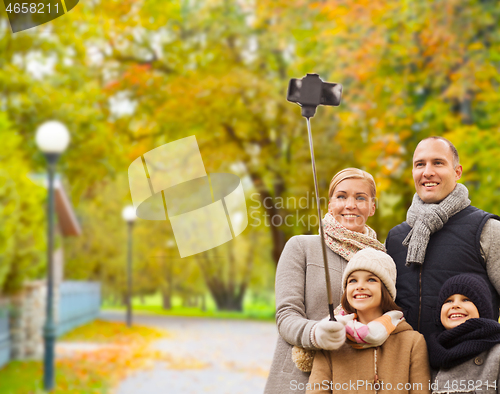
(212, 356)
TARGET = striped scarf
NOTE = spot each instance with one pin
(345, 242)
(373, 334)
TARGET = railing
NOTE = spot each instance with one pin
(79, 303)
(4, 337)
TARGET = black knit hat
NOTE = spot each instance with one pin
(472, 286)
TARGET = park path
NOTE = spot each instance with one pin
(212, 356)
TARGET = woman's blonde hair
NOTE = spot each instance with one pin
(352, 173)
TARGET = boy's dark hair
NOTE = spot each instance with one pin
(386, 302)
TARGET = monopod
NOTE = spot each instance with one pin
(309, 92)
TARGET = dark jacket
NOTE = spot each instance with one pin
(453, 250)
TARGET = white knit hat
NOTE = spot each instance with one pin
(376, 262)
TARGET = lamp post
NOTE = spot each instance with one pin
(52, 138)
(129, 216)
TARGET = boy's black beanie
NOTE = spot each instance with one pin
(473, 287)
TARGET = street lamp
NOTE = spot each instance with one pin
(52, 138)
(129, 216)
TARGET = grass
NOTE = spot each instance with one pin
(21, 377)
(91, 372)
(26, 377)
(105, 332)
(253, 309)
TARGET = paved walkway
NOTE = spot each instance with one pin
(212, 356)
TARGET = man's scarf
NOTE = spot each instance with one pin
(425, 219)
(464, 342)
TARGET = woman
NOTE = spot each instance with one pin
(301, 297)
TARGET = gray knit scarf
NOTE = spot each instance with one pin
(425, 219)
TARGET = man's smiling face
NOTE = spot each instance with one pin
(433, 172)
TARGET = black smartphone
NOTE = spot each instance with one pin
(311, 91)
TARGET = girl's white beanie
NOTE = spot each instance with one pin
(376, 262)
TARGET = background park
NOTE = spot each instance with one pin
(125, 77)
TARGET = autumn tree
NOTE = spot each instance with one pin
(411, 70)
(22, 214)
(126, 77)
(218, 70)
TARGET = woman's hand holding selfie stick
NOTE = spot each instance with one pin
(329, 335)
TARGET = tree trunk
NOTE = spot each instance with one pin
(228, 302)
(227, 288)
(167, 291)
(124, 299)
(166, 300)
(278, 235)
(203, 303)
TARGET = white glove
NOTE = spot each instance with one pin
(329, 335)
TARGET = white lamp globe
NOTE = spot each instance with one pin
(128, 214)
(52, 137)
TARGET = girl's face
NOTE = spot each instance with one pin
(457, 309)
(364, 293)
(351, 204)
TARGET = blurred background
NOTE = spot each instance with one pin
(127, 76)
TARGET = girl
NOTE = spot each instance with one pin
(382, 352)
(467, 353)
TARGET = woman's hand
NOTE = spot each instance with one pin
(329, 335)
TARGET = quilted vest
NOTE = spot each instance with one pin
(453, 250)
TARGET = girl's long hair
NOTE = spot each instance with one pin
(386, 302)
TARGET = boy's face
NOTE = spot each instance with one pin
(457, 309)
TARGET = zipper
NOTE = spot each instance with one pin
(419, 296)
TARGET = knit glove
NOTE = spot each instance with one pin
(328, 335)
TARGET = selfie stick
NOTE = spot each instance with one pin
(310, 92)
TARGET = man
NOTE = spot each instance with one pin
(443, 236)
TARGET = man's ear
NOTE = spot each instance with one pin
(458, 172)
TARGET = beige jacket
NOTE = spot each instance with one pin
(401, 361)
(301, 301)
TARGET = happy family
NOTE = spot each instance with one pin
(416, 315)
